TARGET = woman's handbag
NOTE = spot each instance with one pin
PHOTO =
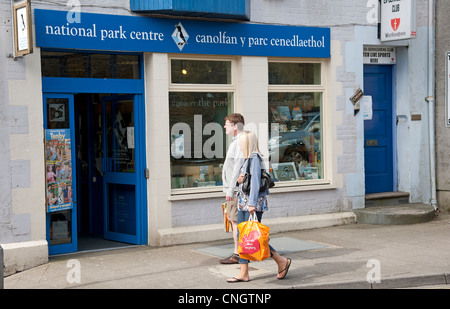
(253, 240)
(266, 180)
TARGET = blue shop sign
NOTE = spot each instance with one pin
(59, 29)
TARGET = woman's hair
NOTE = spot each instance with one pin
(249, 143)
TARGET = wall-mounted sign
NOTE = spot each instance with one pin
(146, 34)
(367, 107)
(379, 55)
(398, 20)
(355, 98)
(23, 34)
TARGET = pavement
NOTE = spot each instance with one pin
(360, 256)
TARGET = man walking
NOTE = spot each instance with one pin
(234, 126)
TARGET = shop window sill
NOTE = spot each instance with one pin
(280, 187)
(304, 185)
(196, 193)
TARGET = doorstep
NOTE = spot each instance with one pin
(396, 214)
(386, 199)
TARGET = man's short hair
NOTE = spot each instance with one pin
(236, 118)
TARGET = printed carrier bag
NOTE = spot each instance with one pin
(253, 240)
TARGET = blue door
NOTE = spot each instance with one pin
(378, 132)
(121, 165)
(61, 183)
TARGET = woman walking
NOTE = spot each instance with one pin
(254, 202)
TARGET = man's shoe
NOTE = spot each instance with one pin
(232, 259)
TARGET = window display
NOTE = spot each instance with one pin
(198, 143)
(295, 144)
(59, 169)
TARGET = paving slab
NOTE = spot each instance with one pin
(348, 256)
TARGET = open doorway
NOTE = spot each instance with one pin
(104, 146)
(95, 102)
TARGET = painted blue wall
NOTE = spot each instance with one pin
(234, 9)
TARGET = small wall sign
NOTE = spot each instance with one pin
(23, 35)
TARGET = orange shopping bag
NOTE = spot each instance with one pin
(225, 218)
(253, 240)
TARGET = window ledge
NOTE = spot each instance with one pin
(301, 186)
(196, 193)
(216, 192)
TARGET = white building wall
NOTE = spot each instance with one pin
(418, 137)
(442, 131)
(22, 185)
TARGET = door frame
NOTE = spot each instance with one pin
(393, 72)
(54, 86)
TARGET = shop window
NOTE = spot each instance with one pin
(86, 65)
(294, 73)
(198, 142)
(295, 144)
(200, 72)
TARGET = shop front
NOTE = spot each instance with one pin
(116, 117)
(141, 104)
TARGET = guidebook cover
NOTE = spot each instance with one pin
(58, 170)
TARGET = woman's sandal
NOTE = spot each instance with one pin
(286, 269)
(235, 280)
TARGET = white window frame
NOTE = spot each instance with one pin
(213, 191)
(307, 185)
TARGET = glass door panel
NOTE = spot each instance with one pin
(120, 177)
(122, 209)
(120, 136)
